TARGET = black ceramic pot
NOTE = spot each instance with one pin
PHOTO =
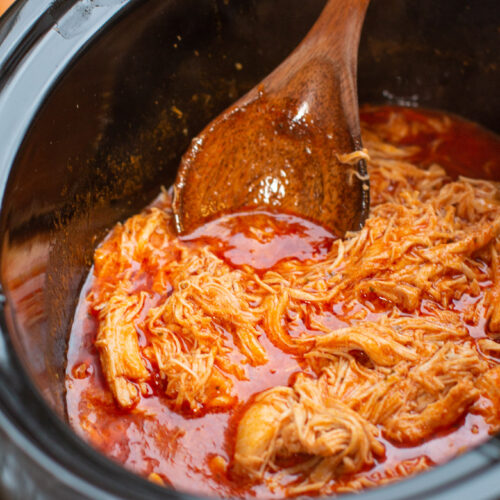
(87, 136)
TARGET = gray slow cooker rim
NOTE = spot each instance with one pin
(71, 460)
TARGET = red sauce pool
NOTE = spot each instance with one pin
(247, 238)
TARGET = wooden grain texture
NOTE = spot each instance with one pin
(277, 146)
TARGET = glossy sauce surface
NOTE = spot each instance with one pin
(178, 449)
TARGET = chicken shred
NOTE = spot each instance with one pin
(305, 420)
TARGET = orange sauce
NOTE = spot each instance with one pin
(153, 439)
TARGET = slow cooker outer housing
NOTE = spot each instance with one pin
(87, 135)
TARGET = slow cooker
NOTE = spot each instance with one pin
(98, 100)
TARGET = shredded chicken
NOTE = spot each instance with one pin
(305, 420)
(402, 365)
(119, 346)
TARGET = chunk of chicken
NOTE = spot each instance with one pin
(258, 430)
(489, 405)
(119, 347)
(411, 428)
(304, 420)
(403, 295)
(493, 311)
(377, 341)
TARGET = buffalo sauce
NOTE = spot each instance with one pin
(194, 453)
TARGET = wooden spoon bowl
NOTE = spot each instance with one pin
(288, 143)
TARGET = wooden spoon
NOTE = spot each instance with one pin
(287, 143)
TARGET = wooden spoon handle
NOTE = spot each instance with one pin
(336, 33)
(331, 50)
(336, 36)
